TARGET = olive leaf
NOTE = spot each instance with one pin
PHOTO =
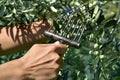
(56, 25)
(2, 10)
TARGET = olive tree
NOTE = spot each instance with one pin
(98, 57)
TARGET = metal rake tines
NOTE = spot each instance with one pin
(68, 27)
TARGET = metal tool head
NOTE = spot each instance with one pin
(68, 26)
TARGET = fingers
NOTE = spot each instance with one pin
(60, 52)
(42, 57)
(55, 47)
(60, 48)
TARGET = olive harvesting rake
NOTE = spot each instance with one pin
(69, 25)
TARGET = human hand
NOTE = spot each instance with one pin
(42, 61)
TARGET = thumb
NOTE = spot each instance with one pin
(60, 48)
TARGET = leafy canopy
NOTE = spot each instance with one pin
(98, 58)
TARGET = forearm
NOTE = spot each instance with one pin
(11, 70)
(18, 38)
(41, 62)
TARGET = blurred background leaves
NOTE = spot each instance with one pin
(98, 58)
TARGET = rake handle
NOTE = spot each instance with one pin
(62, 39)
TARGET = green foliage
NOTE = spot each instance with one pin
(98, 58)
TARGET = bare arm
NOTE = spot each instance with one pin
(41, 62)
(20, 37)
(11, 70)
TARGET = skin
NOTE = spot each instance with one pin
(20, 37)
(41, 62)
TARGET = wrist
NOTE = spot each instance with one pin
(25, 73)
(11, 70)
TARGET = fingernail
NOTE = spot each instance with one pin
(57, 42)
